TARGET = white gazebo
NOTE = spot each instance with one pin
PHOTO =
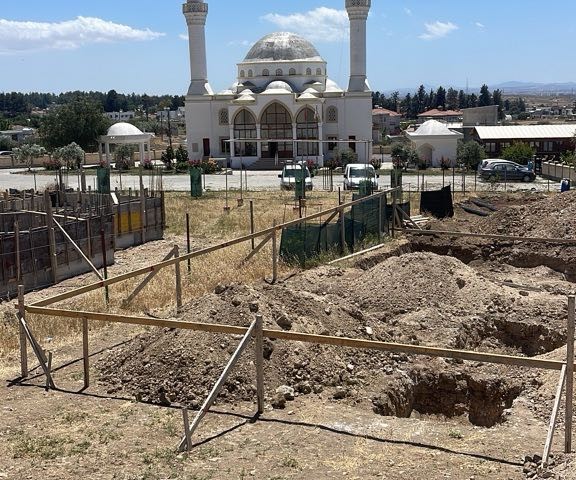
(435, 143)
(124, 134)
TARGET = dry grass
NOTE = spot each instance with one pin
(209, 225)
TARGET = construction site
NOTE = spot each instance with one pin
(337, 335)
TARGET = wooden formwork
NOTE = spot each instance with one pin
(46, 307)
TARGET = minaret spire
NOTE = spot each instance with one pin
(358, 15)
(196, 12)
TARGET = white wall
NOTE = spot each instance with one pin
(442, 147)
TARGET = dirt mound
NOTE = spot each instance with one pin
(550, 217)
(418, 298)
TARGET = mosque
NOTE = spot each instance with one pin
(282, 106)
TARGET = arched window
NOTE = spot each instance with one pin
(223, 116)
(276, 123)
(250, 73)
(292, 71)
(242, 74)
(307, 129)
(318, 71)
(265, 72)
(332, 115)
(308, 71)
(279, 72)
(245, 128)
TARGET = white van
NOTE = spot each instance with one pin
(355, 173)
(288, 176)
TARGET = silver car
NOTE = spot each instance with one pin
(288, 177)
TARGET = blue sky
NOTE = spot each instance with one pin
(137, 46)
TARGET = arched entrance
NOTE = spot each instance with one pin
(307, 129)
(245, 128)
(276, 123)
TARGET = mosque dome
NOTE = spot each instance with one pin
(123, 129)
(282, 46)
(279, 86)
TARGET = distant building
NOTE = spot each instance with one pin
(120, 116)
(448, 116)
(384, 122)
(179, 114)
(18, 134)
(544, 139)
(480, 116)
(435, 143)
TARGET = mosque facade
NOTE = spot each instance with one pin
(283, 106)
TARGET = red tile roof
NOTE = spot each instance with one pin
(385, 111)
(441, 113)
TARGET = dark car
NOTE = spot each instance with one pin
(507, 171)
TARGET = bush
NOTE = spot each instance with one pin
(52, 164)
(519, 152)
(123, 157)
(312, 166)
(147, 164)
(376, 163)
(333, 163)
(208, 165)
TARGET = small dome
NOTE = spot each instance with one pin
(282, 46)
(332, 86)
(123, 129)
(279, 85)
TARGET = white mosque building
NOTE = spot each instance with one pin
(282, 99)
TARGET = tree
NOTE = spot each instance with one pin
(71, 155)
(403, 155)
(452, 99)
(80, 121)
(470, 154)
(518, 152)
(497, 99)
(440, 97)
(27, 153)
(485, 98)
(6, 143)
(123, 157)
(462, 101)
(111, 103)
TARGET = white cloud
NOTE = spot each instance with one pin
(17, 37)
(437, 29)
(240, 43)
(183, 36)
(321, 24)
(407, 11)
(479, 25)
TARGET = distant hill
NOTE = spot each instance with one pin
(533, 88)
(508, 88)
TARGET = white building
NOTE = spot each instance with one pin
(120, 116)
(435, 143)
(282, 96)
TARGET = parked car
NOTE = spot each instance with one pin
(355, 173)
(5, 153)
(288, 176)
(484, 163)
(507, 171)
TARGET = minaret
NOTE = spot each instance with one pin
(358, 14)
(196, 12)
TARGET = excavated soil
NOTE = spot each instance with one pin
(416, 298)
(536, 216)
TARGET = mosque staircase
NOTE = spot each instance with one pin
(269, 164)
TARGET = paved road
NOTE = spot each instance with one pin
(263, 181)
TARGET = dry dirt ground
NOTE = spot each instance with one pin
(340, 412)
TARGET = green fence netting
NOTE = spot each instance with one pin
(307, 241)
